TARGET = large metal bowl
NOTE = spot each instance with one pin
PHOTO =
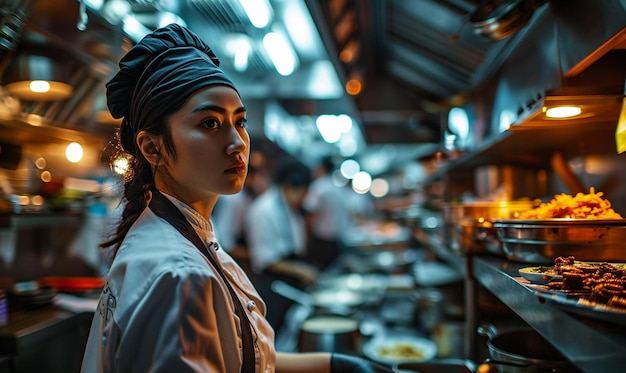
(461, 220)
(541, 241)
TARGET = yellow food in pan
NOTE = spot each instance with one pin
(580, 206)
(401, 350)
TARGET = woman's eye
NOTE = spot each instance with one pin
(243, 123)
(211, 123)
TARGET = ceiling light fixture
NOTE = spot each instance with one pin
(562, 111)
(33, 77)
(301, 29)
(239, 47)
(134, 28)
(115, 11)
(259, 12)
(74, 152)
(280, 52)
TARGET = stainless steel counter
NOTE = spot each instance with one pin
(592, 345)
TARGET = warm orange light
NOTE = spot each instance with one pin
(346, 56)
(39, 90)
(353, 87)
(563, 111)
(74, 152)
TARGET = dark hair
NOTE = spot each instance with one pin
(293, 173)
(139, 179)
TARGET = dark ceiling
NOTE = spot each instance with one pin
(415, 58)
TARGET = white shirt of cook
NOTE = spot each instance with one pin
(165, 309)
(228, 218)
(329, 204)
(269, 237)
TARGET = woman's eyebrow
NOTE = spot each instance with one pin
(212, 107)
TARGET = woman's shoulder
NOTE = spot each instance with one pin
(153, 245)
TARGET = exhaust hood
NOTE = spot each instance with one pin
(49, 45)
(550, 64)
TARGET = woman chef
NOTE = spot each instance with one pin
(174, 301)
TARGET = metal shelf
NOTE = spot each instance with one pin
(592, 345)
(532, 145)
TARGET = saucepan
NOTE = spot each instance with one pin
(523, 350)
(330, 333)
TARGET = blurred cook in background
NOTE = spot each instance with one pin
(325, 206)
(332, 207)
(276, 236)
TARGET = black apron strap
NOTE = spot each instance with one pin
(165, 209)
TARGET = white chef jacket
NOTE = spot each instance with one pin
(164, 307)
(273, 230)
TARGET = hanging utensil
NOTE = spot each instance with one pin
(499, 19)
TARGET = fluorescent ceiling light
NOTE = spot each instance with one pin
(166, 18)
(135, 29)
(239, 48)
(323, 81)
(115, 11)
(301, 29)
(507, 118)
(259, 12)
(94, 4)
(282, 55)
(458, 122)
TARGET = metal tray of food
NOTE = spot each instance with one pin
(540, 241)
(582, 306)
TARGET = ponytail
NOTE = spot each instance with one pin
(139, 179)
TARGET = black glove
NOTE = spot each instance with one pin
(340, 363)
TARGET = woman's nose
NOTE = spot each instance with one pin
(237, 141)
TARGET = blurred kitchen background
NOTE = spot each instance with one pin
(429, 100)
(422, 102)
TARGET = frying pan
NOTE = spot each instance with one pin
(320, 299)
(523, 350)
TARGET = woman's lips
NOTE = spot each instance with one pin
(238, 169)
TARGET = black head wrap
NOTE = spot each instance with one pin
(157, 76)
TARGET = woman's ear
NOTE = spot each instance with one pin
(149, 146)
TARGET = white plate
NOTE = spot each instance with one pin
(539, 275)
(400, 349)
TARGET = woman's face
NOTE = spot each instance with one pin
(212, 146)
